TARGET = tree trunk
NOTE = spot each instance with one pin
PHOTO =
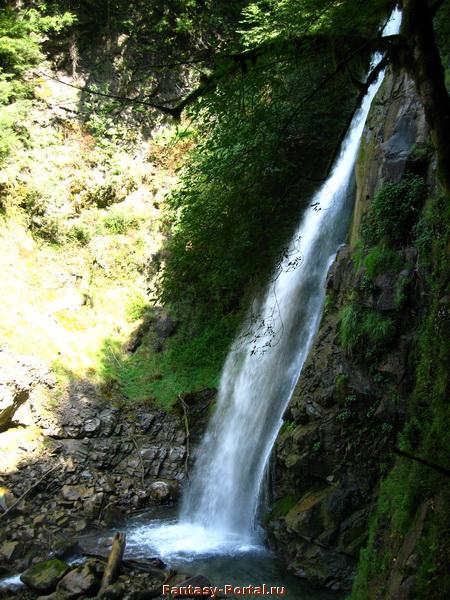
(421, 58)
(114, 560)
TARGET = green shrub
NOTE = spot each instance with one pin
(364, 332)
(350, 330)
(21, 36)
(136, 307)
(381, 259)
(80, 233)
(116, 223)
(394, 211)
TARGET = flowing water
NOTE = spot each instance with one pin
(219, 514)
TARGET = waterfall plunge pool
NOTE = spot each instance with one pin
(195, 550)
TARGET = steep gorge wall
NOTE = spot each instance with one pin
(341, 423)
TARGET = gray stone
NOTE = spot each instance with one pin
(19, 376)
(84, 580)
(162, 491)
(10, 551)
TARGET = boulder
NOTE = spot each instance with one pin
(10, 551)
(164, 491)
(115, 591)
(63, 547)
(75, 492)
(82, 581)
(18, 377)
(44, 576)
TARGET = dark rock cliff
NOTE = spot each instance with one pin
(341, 422)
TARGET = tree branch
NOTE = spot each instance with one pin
(188, 435)
(28, 491)
(423, 461)
(230, 64)
(126, 99)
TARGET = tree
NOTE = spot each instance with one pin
(288, 23)
(420, 56)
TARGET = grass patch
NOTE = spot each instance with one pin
(364, 332)
(187, 364)
(380, 259)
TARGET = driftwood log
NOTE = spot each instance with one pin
(114, 560)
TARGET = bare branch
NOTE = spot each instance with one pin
(423, 461)
(28, 491)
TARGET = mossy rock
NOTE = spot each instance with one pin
(44, 576)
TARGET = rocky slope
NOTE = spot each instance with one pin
(81, 463)
(341, 424)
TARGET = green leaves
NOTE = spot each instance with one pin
(267, 21)
(21, 35)
(365, 331)
(244, 185)
(394, 211)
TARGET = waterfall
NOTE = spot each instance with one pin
(220, 507)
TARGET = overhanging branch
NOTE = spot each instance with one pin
(423, 461)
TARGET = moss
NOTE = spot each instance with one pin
(410, 486)
(282, 506)
(341, 380)
(394, 211)
(44, 576)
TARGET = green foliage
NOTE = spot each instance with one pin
(409, 486)
(365, 331)
(350, 332)
(316, 446)
(341, 380)
(394, 211)
(136, 307)
(118, 223)
(344, 414)
(246, 182)
(21, 36)
(288, 426)
(380, 259)
(185, 365)
(267, 21)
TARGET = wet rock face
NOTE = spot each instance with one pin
(342, 418)
(327, 462)
(396, 124)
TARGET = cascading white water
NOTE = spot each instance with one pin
(220, 507)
